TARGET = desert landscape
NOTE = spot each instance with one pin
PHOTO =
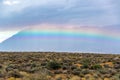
(59, 66)
(59, 39)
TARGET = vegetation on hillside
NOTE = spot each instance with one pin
(59, 66)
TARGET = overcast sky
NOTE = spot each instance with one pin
(90, 16)
(21, 13)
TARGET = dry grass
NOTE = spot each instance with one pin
(58, 66)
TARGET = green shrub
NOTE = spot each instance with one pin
(96, 66)
(85, 65)
(53, 65)
(86, 61)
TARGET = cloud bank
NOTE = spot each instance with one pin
(21, 13)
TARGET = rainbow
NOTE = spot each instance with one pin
(76, 34)
(56, 38)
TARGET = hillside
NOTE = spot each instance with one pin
(59, 66)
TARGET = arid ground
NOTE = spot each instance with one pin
(59, 66)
